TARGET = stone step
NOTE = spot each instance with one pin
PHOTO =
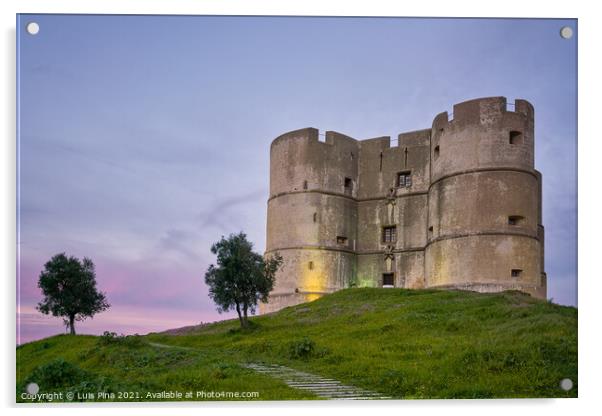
(326, 388)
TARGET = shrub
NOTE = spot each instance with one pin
(55, 374)
(130, 341)
(302, 349)
(221, 371)
(453, 326)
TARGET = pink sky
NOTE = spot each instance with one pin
(122, 319)
(144, 298)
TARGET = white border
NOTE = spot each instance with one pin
(588, 166)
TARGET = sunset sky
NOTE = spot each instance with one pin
(144, 139)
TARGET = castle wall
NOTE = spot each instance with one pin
(478, 137)
(484, 200)
(469, 218)
(297, 281)
(312, 214)
(483, 259)
(408, 269)
(381, 202)
(369, 270)
(311, 219)
(379, 164)
(412, 215)
(300, 162)
(481, 202)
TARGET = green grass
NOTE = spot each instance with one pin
(87, 364)
(402, 343)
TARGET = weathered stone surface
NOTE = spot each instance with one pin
(468, 217)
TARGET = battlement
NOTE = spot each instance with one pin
(334, 137)
(312, 134)
(307, 133)
(476, 111)
(414, 138)
(482, 111)
(379, 143)
(406, 139)
(482, 133)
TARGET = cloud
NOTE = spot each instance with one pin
(222, 214)
(179, 241)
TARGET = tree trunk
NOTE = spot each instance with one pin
(244, 308)
(72, 324)
(242, 323)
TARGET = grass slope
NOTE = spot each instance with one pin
(402, 343)
(132, 369)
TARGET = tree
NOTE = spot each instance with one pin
(69, 289)
(241, 277)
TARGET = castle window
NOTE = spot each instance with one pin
(310, 265)
(348, 186)
(516, 273)
(388, 280)
(431, 229)
(315, 217)
(436, 152)
(389, 234)
(516, 137)
(515, 220)
(304, 184)
(341, 240)
(404, 179)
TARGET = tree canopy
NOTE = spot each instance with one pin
(242, 278)
(69, 289)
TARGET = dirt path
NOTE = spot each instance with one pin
(157, 345)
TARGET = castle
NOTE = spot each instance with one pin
(457, 205)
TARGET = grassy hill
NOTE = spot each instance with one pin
(402, 343)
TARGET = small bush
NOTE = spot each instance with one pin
(453, 326)
(221, 371)
(111, 338)
(56, 374)
(387, 328)
(302, 349)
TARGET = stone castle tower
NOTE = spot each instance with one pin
(457, 205)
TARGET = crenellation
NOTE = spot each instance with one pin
(457, 205)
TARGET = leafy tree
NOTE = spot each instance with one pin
(69, 289)
(241, 277)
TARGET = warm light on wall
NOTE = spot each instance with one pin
(365, 282)
(314, 279)
(312, 296)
